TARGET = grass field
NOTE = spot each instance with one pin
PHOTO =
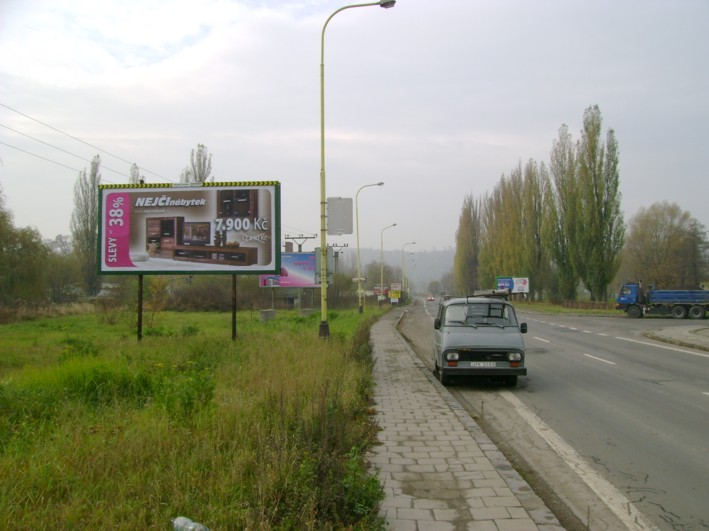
(98, 430)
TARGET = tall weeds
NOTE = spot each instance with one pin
(267, 432)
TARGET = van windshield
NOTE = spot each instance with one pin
(480, 314)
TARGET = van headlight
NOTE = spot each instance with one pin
(514, 356)
(452, 356)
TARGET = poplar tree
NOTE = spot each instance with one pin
(601, 241)
(467, 237)
(536, 261)
(561, 222)
(84, 225)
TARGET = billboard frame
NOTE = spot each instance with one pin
(143, 222)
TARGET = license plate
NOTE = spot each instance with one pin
(483, 364)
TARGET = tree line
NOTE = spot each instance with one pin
(560, 224)
(33, 270)
(557, 223)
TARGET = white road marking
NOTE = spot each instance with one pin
(540, 339)
(616, 502)
(663, 346)
(601, 359)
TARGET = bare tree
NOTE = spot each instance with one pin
(200, 167)
(135, 176)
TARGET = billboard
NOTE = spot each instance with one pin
(297, 271)
(210, 228)
(514, 284)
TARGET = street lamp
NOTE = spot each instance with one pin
(381, 261)
(324, 325)
(359, 267)
(403, 268)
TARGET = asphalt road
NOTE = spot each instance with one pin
(614, 425)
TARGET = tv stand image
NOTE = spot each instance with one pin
(213, 254)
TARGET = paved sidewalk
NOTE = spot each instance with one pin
(692, 336)
(439, 470)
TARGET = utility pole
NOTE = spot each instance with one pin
(300, 239)
(336, 254)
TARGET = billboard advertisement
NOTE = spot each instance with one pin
(297, 271)
(514, 284)
(209, 228)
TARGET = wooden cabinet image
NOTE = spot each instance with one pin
(162, 234)
(174, 238)
(228, 254)
(237, 204)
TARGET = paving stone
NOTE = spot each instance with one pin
(439, 470)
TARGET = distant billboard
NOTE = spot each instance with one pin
(297, 271)
(210, 228)
(514, 284)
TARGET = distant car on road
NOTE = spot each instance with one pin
(478, 336)
(430, 298)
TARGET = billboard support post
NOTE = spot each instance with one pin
(140, 307)
(198, 228)
(233, 307)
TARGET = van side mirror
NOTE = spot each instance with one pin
(523, 328)
(436, 323)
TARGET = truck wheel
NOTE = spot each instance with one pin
(697, 312)
(635, 312)
(679, 312)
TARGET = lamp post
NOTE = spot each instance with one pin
(381, 261)
(324, 325)
(359, 267)
(403, 268)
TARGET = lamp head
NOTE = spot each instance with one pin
(380, 184)
(386, 4)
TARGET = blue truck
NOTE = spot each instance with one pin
(636, 301)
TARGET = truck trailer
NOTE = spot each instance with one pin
(635, 301)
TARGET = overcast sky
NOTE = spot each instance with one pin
(437, 98)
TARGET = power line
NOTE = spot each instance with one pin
(60, 149)
(39, 156)
(82, 141)
(48, 160)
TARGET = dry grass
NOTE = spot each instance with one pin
(267, 432)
